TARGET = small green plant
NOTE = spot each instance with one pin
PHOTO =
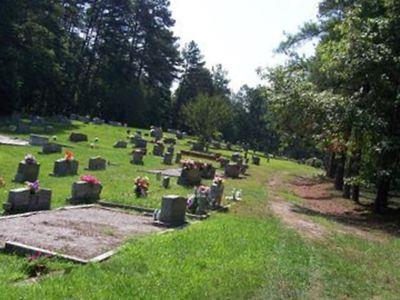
(37, 265)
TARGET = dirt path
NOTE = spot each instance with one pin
(317, 199)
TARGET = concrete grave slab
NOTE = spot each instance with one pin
(82, 233)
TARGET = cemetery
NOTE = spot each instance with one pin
(192, 149)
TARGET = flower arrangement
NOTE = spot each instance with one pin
(33, 187)
(198, 202)
(90, 179)
(189, 164)
(142, 185)
(69, 155)
(30, 159)
(218, 180)
(36, 264)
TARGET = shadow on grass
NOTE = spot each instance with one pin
(56, 129)
(362, 218)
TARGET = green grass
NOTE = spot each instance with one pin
(244, 254)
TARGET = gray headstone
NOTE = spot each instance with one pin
(38, 140)
(232, 170)
(166, 181)
(22, 200)
(173, 210)
(97, 164)
(137, 157)
(85, 193)
(190, 177)
(158, 150)
(121, 144)
(178, 157)
(78, 137)
(27, 172)
(256, 160)
(168, 158)
(51, 148)
(63, 167)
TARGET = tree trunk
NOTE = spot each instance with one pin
(331, 170)
(382, 195)
(356, 193)
(348, 173)
(340, 173)
(346, 191)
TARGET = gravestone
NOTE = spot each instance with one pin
(236, 157)
(140, 143)
(173, 210)
(178, 157)
(50, 148)
(38, 140)
(170, 141)
(256, 160)
(208, 172)
(78, 137)
(168, 158)
(223, 162)
(137, 157)
(98, 121)
(156, 133)
(229, 146)
(190, 177)
(171, 149)
(121, 144)
(85, 193)
(73, 117)
(97, 164)
(216, 194)
(85, 120)
(244, 168)
(22, 200)
(179, 135)
(27, 171)
(64, 167)
(166, 181)
(232, 170)
(158, 149)
(198, 147)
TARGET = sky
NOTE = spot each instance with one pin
(240, 34)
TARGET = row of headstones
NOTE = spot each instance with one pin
(23, 200)
(62, 167)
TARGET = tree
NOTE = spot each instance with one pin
(206, 116)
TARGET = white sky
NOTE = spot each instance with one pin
(240, 34)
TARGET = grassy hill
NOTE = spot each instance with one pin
(246, 253)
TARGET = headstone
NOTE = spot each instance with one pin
(23, 200)
(73, 117)
(178, 157)
(140, 143)
(64, 167)
(170, 141)
(98, 121)
(121, 144)
(27, 172)
(179, 135)
(85, 193)
(38, 140)
(256, 160)
(216, 194)
(168, 158)
(166, 181)
(229, 146)
(223, 162)
(156, 133)
(208, 172)
(198, 147)
(173, 210)
(137, 157)
(244, 168)
(232, 170)
(97, 164)
(85, 120)
(171, 149)
(236, 157)
(158, 149)
(50, 148)
(190, 177)
(78, 137)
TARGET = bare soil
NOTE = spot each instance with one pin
(80, 232)
(319, 199)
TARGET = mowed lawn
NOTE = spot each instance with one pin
(246, 253)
